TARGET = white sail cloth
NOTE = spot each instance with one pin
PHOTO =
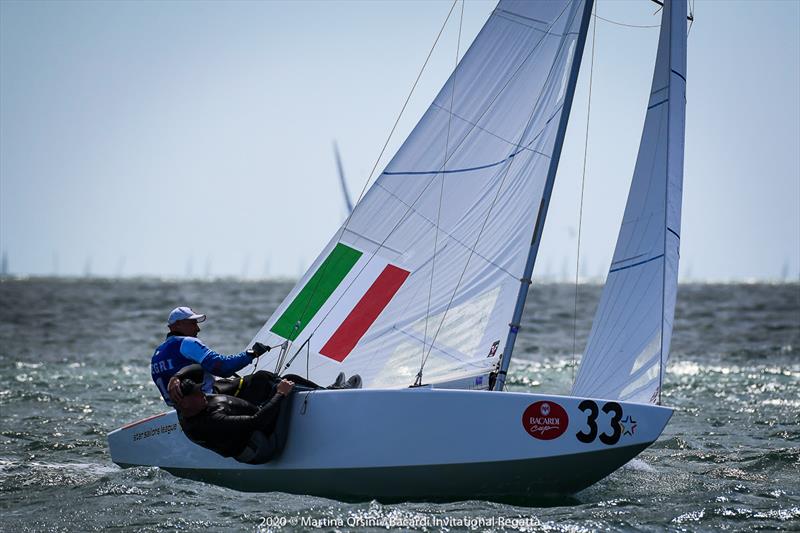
(628, 347)
(427, 267)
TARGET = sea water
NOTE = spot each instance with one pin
(74, 358)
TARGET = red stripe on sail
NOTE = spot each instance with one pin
(366, 311)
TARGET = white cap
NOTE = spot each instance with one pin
(184, 313)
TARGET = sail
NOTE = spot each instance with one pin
(425, 272)
(628, 347)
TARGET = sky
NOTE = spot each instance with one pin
(194, 139)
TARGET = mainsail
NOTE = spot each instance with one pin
(628, 347)
(425, 273)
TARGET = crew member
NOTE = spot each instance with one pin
(183, 348)
(231, 426)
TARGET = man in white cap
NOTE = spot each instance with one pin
(183, 348)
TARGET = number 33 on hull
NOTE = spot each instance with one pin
(421, 444)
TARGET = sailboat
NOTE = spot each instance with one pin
(348, 203)
(422, 288)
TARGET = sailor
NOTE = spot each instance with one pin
(183, 348)
(231, 426)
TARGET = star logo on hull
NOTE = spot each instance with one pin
(628, 425)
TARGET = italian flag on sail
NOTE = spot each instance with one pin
(377, 283)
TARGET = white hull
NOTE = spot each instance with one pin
(415, 444)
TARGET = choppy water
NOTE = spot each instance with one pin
(74, 365)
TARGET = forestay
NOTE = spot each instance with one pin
(427, 267)
(629, 343)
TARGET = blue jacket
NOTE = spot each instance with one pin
(177, 352)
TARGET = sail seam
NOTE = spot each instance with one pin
(611, 337)
(681, 76)
(359, 235)
(536, 47)
(513, 75)
(350, 216)
(493, 134)
(497, 95)
(645, 297)
(512, 17)
(450, 235)
(590, 384)
(600, 385)
(402, 331)
(489, 165)
(636, 264)
(437, 348)
(454, 171)
(631, 258)
(603, 336)
(499, 189)
(635, 375)
(636, 246)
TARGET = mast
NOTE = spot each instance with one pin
(347, 202)
(525, 281)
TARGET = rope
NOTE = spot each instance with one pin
(583, 186)
(441, 194)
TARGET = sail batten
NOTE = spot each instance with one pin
(629, 342)
(510, 88)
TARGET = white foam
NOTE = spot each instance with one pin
(640, 465)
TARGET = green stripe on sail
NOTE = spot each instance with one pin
(316, 292)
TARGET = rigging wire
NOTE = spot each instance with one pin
(494, 201)
(418, 380)
(583, 184)
(464, 137)
(372, 172)
(596, 16)
(282, 354)
(402, 110)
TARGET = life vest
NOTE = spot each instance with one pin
(166, 362)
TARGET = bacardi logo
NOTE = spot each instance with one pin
(545, 420)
